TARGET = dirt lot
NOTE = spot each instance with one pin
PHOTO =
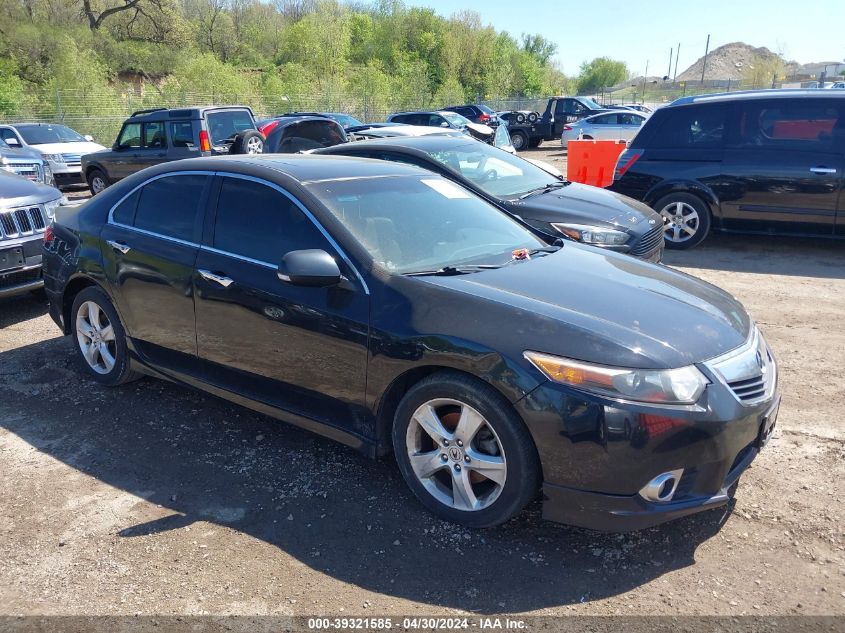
(155, 499)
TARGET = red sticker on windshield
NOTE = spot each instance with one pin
(521, 253)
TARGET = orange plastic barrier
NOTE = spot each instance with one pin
(592, 162)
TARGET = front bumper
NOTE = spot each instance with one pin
(597, 454)
(27, 277)
(67, 173)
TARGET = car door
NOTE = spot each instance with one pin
(150, 244)
(120, 162)
(302, 349)
(153, 149)
(603, 126)
(784, 166)
(629, 125)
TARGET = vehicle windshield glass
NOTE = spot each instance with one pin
(590, 103)
(40, 134)
(4, 145)
(345, 120)
(455, 119)
(225, 125)
(418, 223)
(485, 109)
(495, 171)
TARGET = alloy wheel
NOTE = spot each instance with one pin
(98, 184)
(95, 337)
(456, 455)
(680, 221)
(254, 146)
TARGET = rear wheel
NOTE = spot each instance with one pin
(519, 140)
(97, 181)
(686, 220)
(248, 142)
(100, 338)
(463, 451)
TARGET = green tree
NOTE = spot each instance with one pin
(601, 72)
(538, 47)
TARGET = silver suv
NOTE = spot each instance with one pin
(25, 162)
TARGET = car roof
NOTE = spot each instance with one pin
(305, 168)
(423, 112)
(181, 113)
(744, 95)
(430, 143)
(618, 111)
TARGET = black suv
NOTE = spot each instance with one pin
(768, 161)
(160, 135)
(476, 113)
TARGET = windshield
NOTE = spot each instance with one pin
(345, 120)
(417, 223)
(225, 125)
(495, 171)
(590, 103)
(4, 145)
(485, 109)
(455, 119)
(41, 134)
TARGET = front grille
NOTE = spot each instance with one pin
(749, 389)
(72, 159)
(19, 278)
(750, 372)
(30, 171)
(649, 241)
(21, 222)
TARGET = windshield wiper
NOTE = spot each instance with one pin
(448, 271)
(545, 188)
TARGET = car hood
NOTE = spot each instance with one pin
(596, 306)
(16, 191)
(76, 147)
(582, 203)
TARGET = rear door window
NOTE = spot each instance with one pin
(168, 206)
(154, 135)
(257, 221)
(224, 125)
(793, 124)
(692, 127)
(182, 134)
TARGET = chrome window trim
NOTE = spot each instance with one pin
(226, 174)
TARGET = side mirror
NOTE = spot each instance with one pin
(89, 138)
(444, 124)
(312, 267)
(12, 141)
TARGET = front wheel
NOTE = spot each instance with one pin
(464, 452)
(100, 338)
(97, 181)
(686, 220)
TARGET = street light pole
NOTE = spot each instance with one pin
(704, 64)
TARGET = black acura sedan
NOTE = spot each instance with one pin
(390, 309)
(550, 204)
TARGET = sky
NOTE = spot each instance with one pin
(640, 31)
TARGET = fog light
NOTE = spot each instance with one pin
(662, 488)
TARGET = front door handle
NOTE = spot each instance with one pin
(119, 246)
(823, 171)
(220, 279)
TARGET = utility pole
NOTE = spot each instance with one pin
(704, 65)
(645, 77)
(677, 55)
(669, 72)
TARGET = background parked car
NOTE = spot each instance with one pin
(550, 204)
(621, 125)
(477, 113)
(346, 120)
(767, 161)
(438, 118)
(160, 135)
(26, 209)
(290, 135)
(59, 145)
(25, 162)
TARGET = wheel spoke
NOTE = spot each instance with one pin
(107, 333)
(468, 424)
(84, 328)
(426, 464)
(427, 418)
(462, 492)
(90, 352)
(676, 233)
(491, 466)
(106, 356)
(94, 315)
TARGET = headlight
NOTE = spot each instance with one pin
(593, 234)
(50, 207)
(668, 386)
(48, 175)
(56, 158)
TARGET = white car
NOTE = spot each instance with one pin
(60, 146)
(619, 125)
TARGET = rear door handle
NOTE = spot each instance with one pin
(119, 246)
(220, 279)
(823, 171)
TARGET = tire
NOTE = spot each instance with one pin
(97, 181)
(520, 117)
(519, 140)
(686, 220)
(93, 314)
(248, 142)
(535, 142)
(532, 117)
(451, 405)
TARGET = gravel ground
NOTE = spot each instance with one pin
(155, 499)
